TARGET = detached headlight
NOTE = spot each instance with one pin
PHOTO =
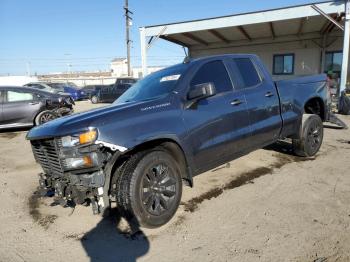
(80, 139)
(85, 161)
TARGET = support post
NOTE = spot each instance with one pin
(346, 43)
(323, 54)
(143, 51)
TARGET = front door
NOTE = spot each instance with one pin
(216, 122)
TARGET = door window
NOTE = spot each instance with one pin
(13, 96)
(213, 72)
(247, 70)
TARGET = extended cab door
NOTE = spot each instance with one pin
(20, 107)
(216, 122)
(262, 101)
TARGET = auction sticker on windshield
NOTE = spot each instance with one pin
(169, 78)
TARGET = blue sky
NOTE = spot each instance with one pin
(87, 34)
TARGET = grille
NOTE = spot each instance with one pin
(46, 153)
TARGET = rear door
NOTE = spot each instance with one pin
(106, 94)
(121, 89)
(216, 123)
(20, 107)
(262, 101)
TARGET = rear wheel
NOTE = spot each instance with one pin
(148, 187)
(311, 136)
(94, 99)
(44, 116)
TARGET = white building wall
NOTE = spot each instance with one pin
(307, 54)
(16, 80)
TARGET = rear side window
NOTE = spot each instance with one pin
(214, 72)
(247, 70)
(13, 96)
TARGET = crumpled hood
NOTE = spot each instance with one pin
(80, 122)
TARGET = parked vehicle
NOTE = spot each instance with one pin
(25, 107)
(45, 87)
(171, 126)
(92, 89)
(70, 88)
(108, 94)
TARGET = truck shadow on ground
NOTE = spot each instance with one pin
(107, 242)
(12, 133)
(282, 147)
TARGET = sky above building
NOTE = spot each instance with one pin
(43, 36)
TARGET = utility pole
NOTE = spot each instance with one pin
(28, 68)
(128, 22)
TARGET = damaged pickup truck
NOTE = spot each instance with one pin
(171, 126)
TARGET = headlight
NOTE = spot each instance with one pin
(80, 139)
(85, 161)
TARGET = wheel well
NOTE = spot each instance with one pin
(315, 106)
(173, 148)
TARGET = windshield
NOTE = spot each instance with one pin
(154, 85)
(57, 86)
(73, 85)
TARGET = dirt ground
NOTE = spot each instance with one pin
(266, 206)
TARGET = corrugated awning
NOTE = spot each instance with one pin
(296, 20)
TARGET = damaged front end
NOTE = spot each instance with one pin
(77, 169)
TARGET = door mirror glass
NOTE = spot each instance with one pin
(201, 91)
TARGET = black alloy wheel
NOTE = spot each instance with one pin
(148, 187)
(311, 136)
(158, 189)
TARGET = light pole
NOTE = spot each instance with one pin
(69, 64)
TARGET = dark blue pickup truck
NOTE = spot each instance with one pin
(171, 126)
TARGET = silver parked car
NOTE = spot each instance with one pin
(46, 87)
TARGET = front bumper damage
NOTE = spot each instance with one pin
(84, 186)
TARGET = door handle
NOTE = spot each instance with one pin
(269, 94)
(236, 102)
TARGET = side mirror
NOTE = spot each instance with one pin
(201, 91)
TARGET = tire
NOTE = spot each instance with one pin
(44, 116)
(94, 99)
(311, 136)
(148, 188)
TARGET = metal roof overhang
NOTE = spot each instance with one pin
(270, 24)
(244, 28)
(314, 22)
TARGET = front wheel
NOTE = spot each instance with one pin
(311, 136)
(94, 99)
(149, 188)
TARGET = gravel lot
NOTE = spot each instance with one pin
(266, 206)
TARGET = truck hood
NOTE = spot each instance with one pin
(81, 122)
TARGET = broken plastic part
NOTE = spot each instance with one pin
(112, 146)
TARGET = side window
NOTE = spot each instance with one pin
(13, 96)
(247, 70)
(283, 64)
(214, 72)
